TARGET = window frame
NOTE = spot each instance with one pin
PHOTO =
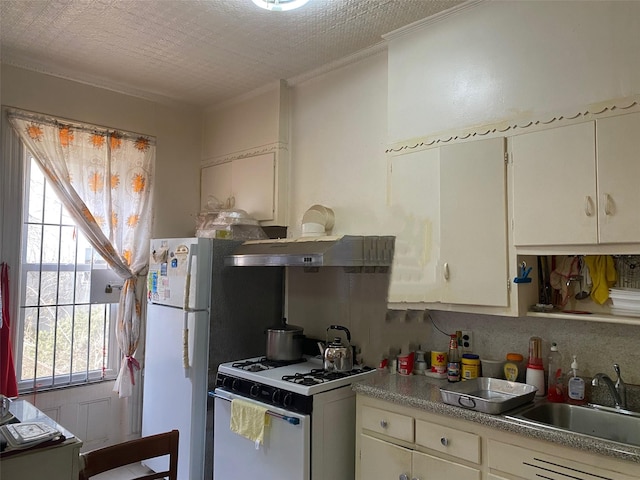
(110, 369)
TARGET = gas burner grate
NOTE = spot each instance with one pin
(263, 363)
(319, 375)
(302, 379)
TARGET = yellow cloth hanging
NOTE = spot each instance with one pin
(249, 420)
(603, 274)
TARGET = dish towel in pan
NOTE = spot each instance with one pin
(249, 420)
(602, 270)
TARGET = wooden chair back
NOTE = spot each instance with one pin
(133, 451)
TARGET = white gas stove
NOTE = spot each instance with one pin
(305, 377)
(311, 433)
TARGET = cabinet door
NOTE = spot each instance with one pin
(414, 199)
(215, 181)
(246, 183)
(473, 228)
(254, 185)
(427, 467)
(618, 178)
(382, 460)
(554, 186)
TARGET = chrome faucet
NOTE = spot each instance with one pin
(618, 390)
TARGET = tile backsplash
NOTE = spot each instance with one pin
(331, 296)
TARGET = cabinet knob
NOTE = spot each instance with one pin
(403, 476)
(444, 441)
(384, 423)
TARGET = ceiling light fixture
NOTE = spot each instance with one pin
(279, 5)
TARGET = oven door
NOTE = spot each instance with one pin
(285, 453)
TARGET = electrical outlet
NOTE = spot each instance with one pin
(467, 341)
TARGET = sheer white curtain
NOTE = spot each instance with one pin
(104, 178)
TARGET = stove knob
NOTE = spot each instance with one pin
(275, 398)
(225, 382)
(235, 385)
(254, 391)
(288, 399)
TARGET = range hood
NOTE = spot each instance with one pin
(320, 251)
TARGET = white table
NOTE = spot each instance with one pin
(59, 461)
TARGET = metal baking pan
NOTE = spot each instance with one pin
(488, 395)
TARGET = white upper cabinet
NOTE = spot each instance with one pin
(578, 185)
(245, 183)
(473, 229)
(414, 198)
(618, 143)
(449, 212)
(554, 186)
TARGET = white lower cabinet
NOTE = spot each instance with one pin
(532, 465)
(411, 449)
(384, 460)
(394, 442)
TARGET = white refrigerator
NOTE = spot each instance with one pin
(200, 313)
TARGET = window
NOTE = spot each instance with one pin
(63, 338)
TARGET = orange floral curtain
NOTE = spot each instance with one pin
(104, 179)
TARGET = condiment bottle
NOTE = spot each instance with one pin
(470, 366)
(453, 365)
(514, 367)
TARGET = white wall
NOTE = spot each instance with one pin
(505, 60)
(242, 125)
(338, 138)
(177, 131)
(493, 62)
(95, 413)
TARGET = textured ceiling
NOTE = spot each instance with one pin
(192, 51)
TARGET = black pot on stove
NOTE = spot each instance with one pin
(284, 342)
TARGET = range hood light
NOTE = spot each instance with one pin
(280, 5)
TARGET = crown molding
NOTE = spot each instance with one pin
(512, 127)
(275, 147)
(438, 17)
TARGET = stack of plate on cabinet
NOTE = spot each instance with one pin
(626, 301)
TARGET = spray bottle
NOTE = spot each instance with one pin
(575, 386)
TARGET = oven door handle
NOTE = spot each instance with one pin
(286, 418)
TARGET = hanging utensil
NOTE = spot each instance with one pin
(582, 292)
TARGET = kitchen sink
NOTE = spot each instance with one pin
(615, 425)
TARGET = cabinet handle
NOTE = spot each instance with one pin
(607, 204)
(588, 206)
(384, 423)
(446, 271)
(444, 441)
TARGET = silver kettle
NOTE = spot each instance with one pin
(337, 356)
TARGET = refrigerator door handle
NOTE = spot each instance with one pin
(187, 297)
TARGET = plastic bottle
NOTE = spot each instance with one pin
(555, 385)
(575, 388)
(535, 371)
(453, 365)
(514, 367)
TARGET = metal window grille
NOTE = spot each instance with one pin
(63, 339)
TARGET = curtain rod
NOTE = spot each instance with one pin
(59, 121)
